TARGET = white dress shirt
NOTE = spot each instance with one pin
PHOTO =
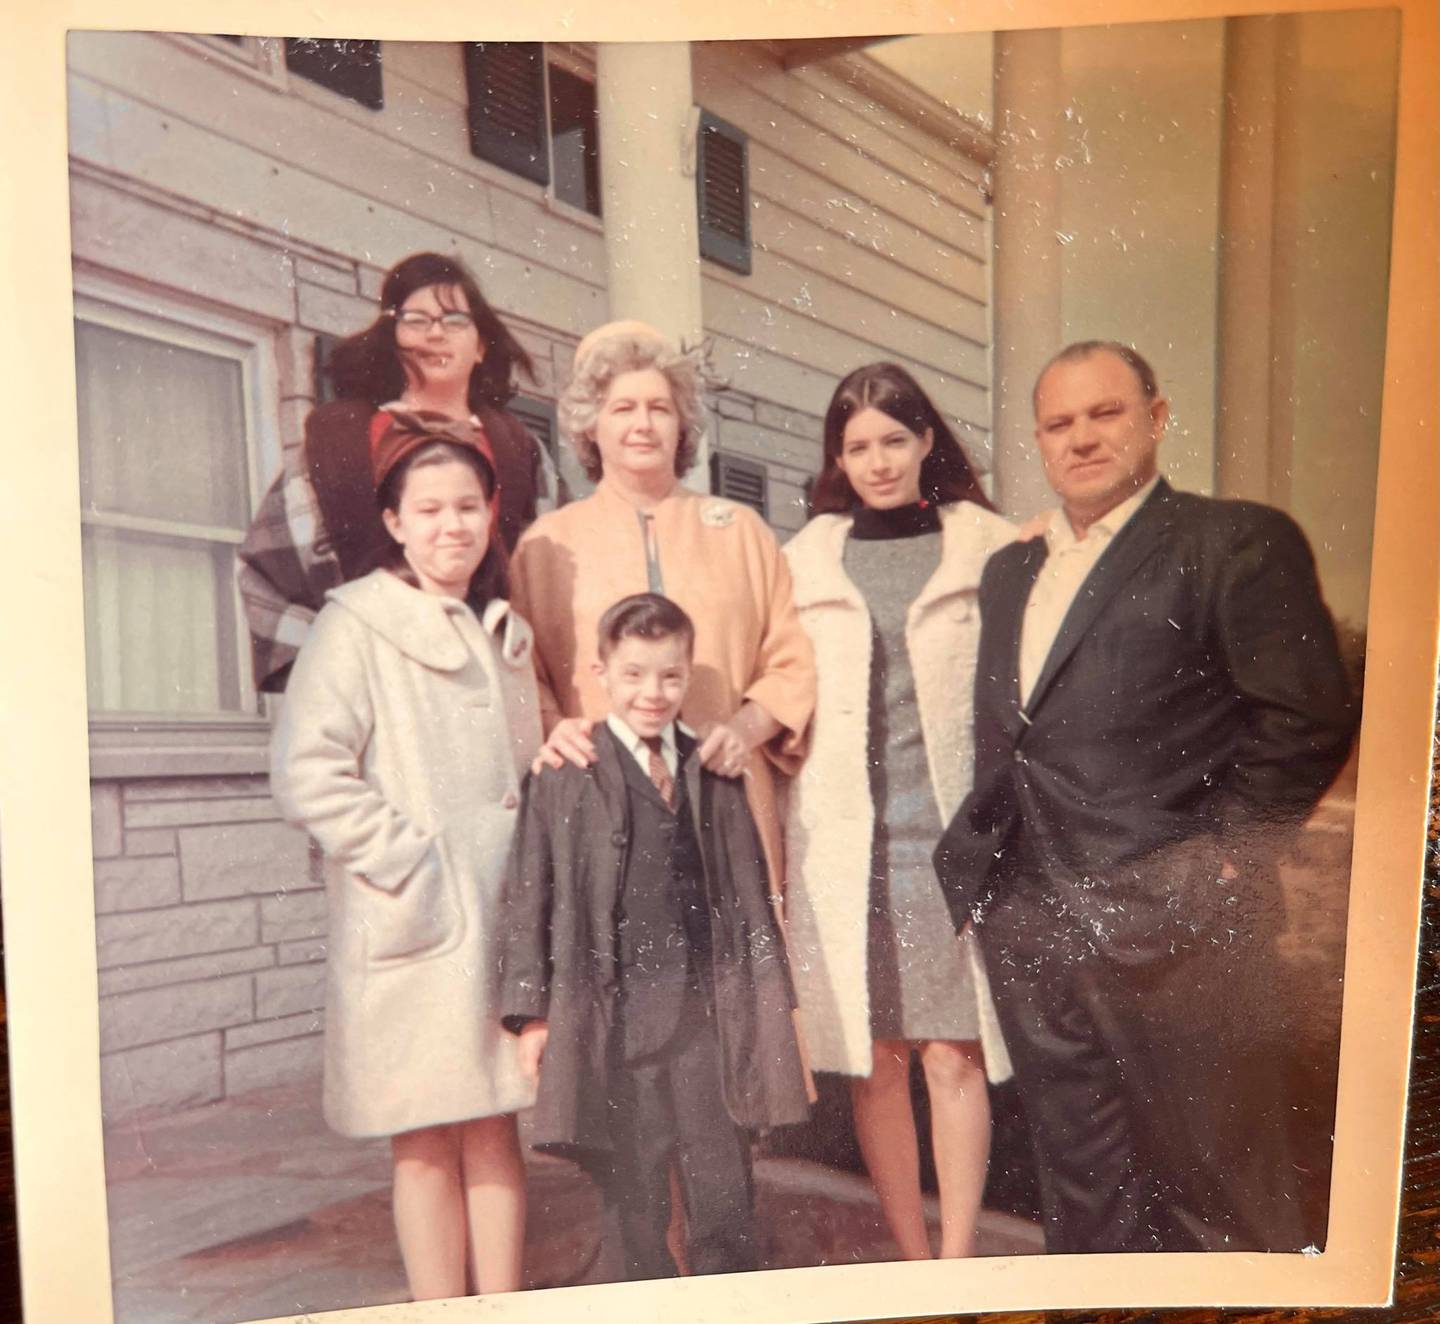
(1066, 568)
(637, 746)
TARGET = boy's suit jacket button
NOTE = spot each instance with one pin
(1019, 757)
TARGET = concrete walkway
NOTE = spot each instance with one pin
(251, 1209)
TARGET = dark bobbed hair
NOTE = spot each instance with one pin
(367, 366)
(945, 473)
(1084, 349)
(644, 616)
(492, 576)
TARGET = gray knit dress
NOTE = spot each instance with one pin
(919, 982)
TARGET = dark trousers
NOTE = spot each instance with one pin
(671, 1102)
(1156, 1092)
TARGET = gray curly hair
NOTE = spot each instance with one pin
(578, 408)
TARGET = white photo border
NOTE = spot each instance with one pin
(44, 785)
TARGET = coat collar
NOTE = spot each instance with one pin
(424, 626)
(1141, 537)
(818, 559)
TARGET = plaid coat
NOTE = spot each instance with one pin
(317, 526)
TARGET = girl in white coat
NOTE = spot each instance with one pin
(406, 726)
(886, 579)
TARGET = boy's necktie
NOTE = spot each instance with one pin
(659, 773)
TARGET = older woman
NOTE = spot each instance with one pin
(633, 413)
(436, 347)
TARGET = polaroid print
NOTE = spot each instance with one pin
(295, 262)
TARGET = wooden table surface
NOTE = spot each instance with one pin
(1417, 1273)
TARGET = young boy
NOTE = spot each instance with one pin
(642, 962)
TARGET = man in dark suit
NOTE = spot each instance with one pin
(1159, 703)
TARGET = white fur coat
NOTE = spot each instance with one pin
(830, 819)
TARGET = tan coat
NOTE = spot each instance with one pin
(404, 732)
(723, 566)
(831, 819)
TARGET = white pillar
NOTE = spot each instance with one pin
(648, 120)
(1245, 364)
(1029, 328)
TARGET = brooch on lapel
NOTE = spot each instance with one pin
(717, 514)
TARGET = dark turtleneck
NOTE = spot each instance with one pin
(900, 522)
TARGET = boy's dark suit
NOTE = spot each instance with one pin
(1190, 713)
(644, 937)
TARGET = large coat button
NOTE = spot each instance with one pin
(617, 838)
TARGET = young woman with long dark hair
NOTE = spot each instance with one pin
(435, 346)
(886, 578)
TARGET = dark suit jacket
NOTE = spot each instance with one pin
(559, 957)
(1192, 709)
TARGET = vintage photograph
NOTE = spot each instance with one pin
(725, 655)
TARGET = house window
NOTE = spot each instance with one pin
(574, 140)
(740, 480)
(535, 120)
(351, 68)
(722, 182)
(167, 469)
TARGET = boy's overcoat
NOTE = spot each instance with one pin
(560, 955)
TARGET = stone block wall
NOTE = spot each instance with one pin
(210, 934)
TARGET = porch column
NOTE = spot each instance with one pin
(648, 121)
(1245, 331)
(1029, 328)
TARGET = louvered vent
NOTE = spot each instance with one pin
(505, 81)
(740, 480)
(724, 194)
(351, 68)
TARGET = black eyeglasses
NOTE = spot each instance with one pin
(412, 319)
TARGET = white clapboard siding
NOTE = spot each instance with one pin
(818, 96)
(807, 246)
(747, 315)
(870, 240)
(831, 79)
(365, 184)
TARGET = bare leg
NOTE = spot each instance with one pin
(430, 1211)
(494, 1177)
(960, 1132)
(885, 1127)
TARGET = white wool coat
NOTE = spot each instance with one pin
(830, 819)
(404, 732)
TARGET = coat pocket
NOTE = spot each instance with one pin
(418, 919)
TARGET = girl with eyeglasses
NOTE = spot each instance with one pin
(435, 349)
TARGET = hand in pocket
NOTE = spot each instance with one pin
(417, 918)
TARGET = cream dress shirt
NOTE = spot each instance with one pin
(1066, 568)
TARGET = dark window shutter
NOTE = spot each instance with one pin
(351, 68)
(742, 481)
(505, 81)
(723, 183)
(323, 387)
(538, 416)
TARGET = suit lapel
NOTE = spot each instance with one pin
(1140, 539)
(1003, 614)
(610, 780)
(690, 771)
